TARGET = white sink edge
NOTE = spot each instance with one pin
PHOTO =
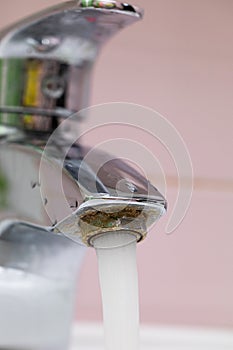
(90, 336)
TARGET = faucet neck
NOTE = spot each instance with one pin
(46, 61)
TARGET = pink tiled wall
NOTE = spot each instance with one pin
(178, 61)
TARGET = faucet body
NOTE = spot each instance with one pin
(54, 192)
(46, 63)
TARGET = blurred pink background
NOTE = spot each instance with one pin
(178, 61)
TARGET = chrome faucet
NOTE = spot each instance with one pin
(45, 67)
(51, 195)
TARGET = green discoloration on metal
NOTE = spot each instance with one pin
(10, 78)
(107, 4)
(87, 3)
(3, 191)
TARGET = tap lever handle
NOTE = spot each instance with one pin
(46, 61)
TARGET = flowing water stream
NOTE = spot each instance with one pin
(116, 254)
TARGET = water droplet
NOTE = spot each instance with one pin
(74, 205)
(131, 187)
(35, 184)
(54, 223)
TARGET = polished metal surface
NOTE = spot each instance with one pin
(46, 61)
(45, 66)
(70, 196)
(22, 244)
